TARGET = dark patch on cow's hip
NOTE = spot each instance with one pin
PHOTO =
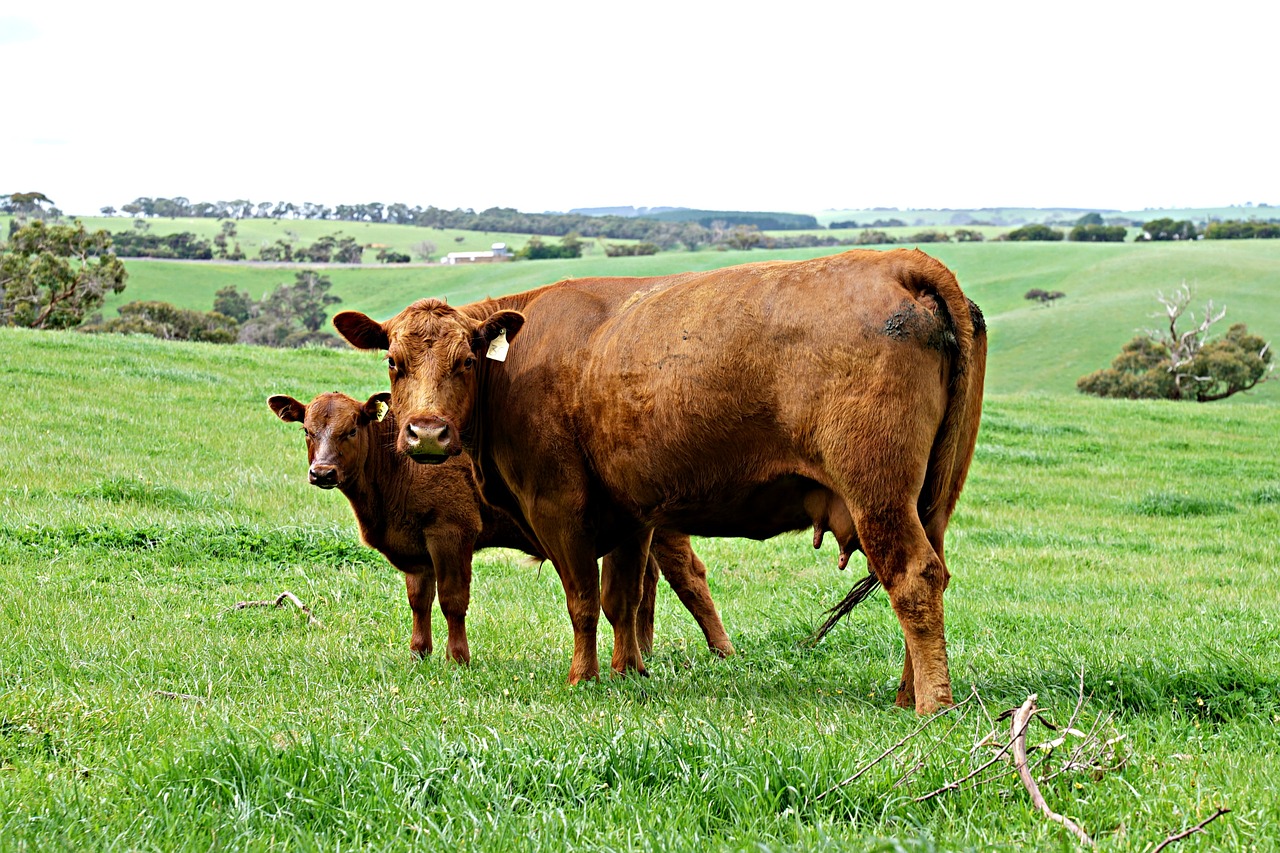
(932, 329)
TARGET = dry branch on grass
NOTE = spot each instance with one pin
(1191, 830)
(1021, 719)
(279, 601)
(1093, 752)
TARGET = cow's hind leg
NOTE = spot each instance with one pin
(915, 577)
(621, 589)
(648, 602)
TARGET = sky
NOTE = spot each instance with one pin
(790, 106)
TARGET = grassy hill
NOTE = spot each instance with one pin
(1128, 547)
(1110, 292)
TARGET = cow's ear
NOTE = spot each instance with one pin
(377, 406)
(496, 324)
(361, 331)
(287, 409)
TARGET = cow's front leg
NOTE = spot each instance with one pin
(622, 588)
(575, 563)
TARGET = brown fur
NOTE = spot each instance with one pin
(841, 393)
(427, 521)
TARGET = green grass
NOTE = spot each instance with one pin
(148, 488)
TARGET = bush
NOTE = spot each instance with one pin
(1044, 297)
(621, 250)
(169, 322)
(389, 256)
(1175, 365)
(967, 235)
(1097, 234)
(536, 250)
(873, 238)
(1034, 231)
(931, 236)
(1167, 229)
(1234, 230)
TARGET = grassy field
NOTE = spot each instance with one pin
(148, 489)
(1110, 291)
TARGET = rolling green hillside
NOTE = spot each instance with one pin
(1110, 292)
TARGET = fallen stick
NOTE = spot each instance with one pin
(1178, 836)
(1021, 718)
(278, 601)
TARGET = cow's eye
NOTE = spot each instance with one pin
(469, 363)
(391, 363)
(351, 434)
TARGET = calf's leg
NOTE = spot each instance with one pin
(452, 558)
(648, 601)
(420, 586)
(687, 575)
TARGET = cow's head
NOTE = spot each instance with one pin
(338, 431)
(435, 356)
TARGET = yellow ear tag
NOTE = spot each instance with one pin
(383, 408)
(498, 347)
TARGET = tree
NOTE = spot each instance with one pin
(1097, 233)
(1167, 229)
(424, 249)
(1090, 219)
(232, 302)
(292, 314)
(51, 276)
(1184, 365)
(1034, 231)
(968, 235)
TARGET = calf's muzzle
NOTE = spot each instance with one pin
(324, 476)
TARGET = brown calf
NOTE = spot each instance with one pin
(843, 392)
(428, 521)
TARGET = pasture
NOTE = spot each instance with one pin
(148, 489)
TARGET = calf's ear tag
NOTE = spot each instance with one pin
(383, 408)
(498, 347)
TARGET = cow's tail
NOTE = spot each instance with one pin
(958, 435)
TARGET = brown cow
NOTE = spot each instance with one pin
(843, 392)
(428, 521)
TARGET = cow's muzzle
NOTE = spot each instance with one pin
(430, 440)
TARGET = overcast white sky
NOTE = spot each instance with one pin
(790, 105)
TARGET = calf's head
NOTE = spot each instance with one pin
(435, 357)
(338, 431)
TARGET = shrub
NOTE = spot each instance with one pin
(169, 322)
(620, 250)
(1034, 231)
(1097, 234)
(1173, 365)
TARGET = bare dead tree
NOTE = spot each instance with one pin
(1184, 346)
